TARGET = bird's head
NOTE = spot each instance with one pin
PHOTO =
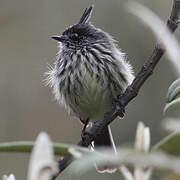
(82, 34)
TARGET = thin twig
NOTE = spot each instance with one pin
(130, 93)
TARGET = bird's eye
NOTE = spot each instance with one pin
(74, 36)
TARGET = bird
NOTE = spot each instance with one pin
(90, 71)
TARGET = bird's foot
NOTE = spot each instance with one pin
(84, 136)
(84, 133)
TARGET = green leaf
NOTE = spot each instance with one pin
(171, 104)
(170, 144)
(173, 90)
(26, 147)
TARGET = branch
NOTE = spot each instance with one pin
(131, 92)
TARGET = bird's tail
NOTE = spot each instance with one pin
(105, 140)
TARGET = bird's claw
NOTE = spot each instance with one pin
(84, 135)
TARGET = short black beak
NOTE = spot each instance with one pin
(59, 38)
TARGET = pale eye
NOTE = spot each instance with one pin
(74, 36)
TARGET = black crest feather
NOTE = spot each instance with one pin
(86, 15)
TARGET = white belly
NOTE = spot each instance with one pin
(92, 101)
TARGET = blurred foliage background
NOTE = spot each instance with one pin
(27, 106)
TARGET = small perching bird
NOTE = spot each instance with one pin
(89, 73)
